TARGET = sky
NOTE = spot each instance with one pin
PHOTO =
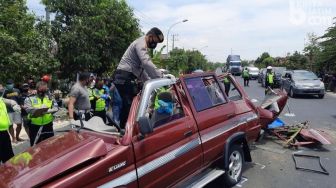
(245, 27)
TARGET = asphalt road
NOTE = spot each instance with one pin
(273, 166)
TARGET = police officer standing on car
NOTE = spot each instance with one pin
(136, 67)
(269, 82)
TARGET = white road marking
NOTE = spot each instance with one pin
(261, 165)
(242, 181)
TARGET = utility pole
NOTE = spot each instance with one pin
(47, 15)
(173, 40)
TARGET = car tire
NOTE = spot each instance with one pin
(291, 93)
(236, 161)
(321, 96)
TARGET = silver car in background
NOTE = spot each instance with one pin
(254, 72)
(302, 82)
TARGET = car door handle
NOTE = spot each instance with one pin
(188, 133)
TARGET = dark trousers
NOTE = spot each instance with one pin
(127, 94)
(101, 114)
(227, 88)
(6, 150)
(47, 132)
(246, 81)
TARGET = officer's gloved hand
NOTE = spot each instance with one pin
(17, 108)
(170, 76)
(52, 110)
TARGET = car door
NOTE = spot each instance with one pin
(172, 151)
(213, 113)
(288, 82)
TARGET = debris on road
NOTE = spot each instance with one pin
(296, 157)
(297, 135)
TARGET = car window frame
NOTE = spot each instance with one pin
(183, 113)
(220, 89)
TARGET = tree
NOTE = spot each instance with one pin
(269, 61)
(260, 60)
(297, 61)
(327, 56)
(24, 51)
(92, 35)
(312, 50)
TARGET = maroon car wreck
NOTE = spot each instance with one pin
(176, 130)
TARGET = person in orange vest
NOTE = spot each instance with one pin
(6, 150)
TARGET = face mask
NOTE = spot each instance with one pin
(152, 45)
(25, 90)
(10, 87)
(41, 93)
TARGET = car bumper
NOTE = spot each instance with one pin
(303, 91)
(254, 76)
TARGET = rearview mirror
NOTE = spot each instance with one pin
(145, 125)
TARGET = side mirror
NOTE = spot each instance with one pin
(145, 126)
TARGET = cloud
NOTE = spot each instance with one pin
(246, 27)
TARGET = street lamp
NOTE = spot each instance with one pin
(185, 20)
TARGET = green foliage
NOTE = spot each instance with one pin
(327, 56)
(182, 61)
(24, 51)
(312, 50)
(268, 61)
(92, 35)
(156, 57)
(297, 61)
(259, 62)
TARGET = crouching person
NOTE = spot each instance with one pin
(40, 120)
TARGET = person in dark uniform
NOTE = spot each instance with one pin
(136, 67)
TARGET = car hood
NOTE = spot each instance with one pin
(51, 158)
(310, 83)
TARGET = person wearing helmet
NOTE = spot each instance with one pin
(269, 81)
(45, 78)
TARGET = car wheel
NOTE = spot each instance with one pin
(236, 157)
(321, 96)
(291, 93)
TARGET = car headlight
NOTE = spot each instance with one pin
(322, 85)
